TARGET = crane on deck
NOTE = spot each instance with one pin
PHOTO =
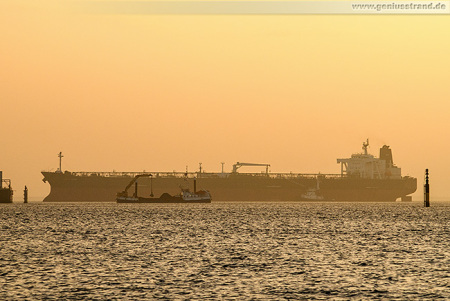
(240, 164)
(125, 191)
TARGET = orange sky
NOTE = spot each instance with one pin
(129, 93)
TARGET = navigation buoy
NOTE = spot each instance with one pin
(426, 190)
(25, 195)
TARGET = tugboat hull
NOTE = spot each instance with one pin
(174, 200)
(165, 198)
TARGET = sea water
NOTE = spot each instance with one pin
(225, 251)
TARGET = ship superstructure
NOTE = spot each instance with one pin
(6, 192)
(367, 166)
(363, 178)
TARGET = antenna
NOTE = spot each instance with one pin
(60, 159)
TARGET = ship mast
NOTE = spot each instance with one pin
(365, 145)
(60, 160)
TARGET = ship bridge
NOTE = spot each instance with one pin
(365, 165)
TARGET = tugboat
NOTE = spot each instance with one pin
(314, 194)
(185, 197)
(6, 192)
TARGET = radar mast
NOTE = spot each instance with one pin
(365, 145)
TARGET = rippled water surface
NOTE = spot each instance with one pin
(225, 251)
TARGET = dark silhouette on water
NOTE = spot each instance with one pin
(6, 192)
(202, 196)
(362, 178)
(426, 190)
(25, 195)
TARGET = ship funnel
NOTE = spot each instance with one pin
(386, 155)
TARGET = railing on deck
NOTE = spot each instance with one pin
(191, 175)
(202, 175)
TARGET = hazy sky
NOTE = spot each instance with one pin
(132, 93)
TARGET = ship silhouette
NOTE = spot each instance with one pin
(363, 178)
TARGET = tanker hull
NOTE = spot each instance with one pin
(98, 187)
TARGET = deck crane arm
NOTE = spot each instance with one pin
(240, 164)
(125, 191)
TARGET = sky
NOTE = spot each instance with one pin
(162, 92)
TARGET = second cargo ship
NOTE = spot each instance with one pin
(363, 178)
(6, 192)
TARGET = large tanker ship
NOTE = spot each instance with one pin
(363, 178)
